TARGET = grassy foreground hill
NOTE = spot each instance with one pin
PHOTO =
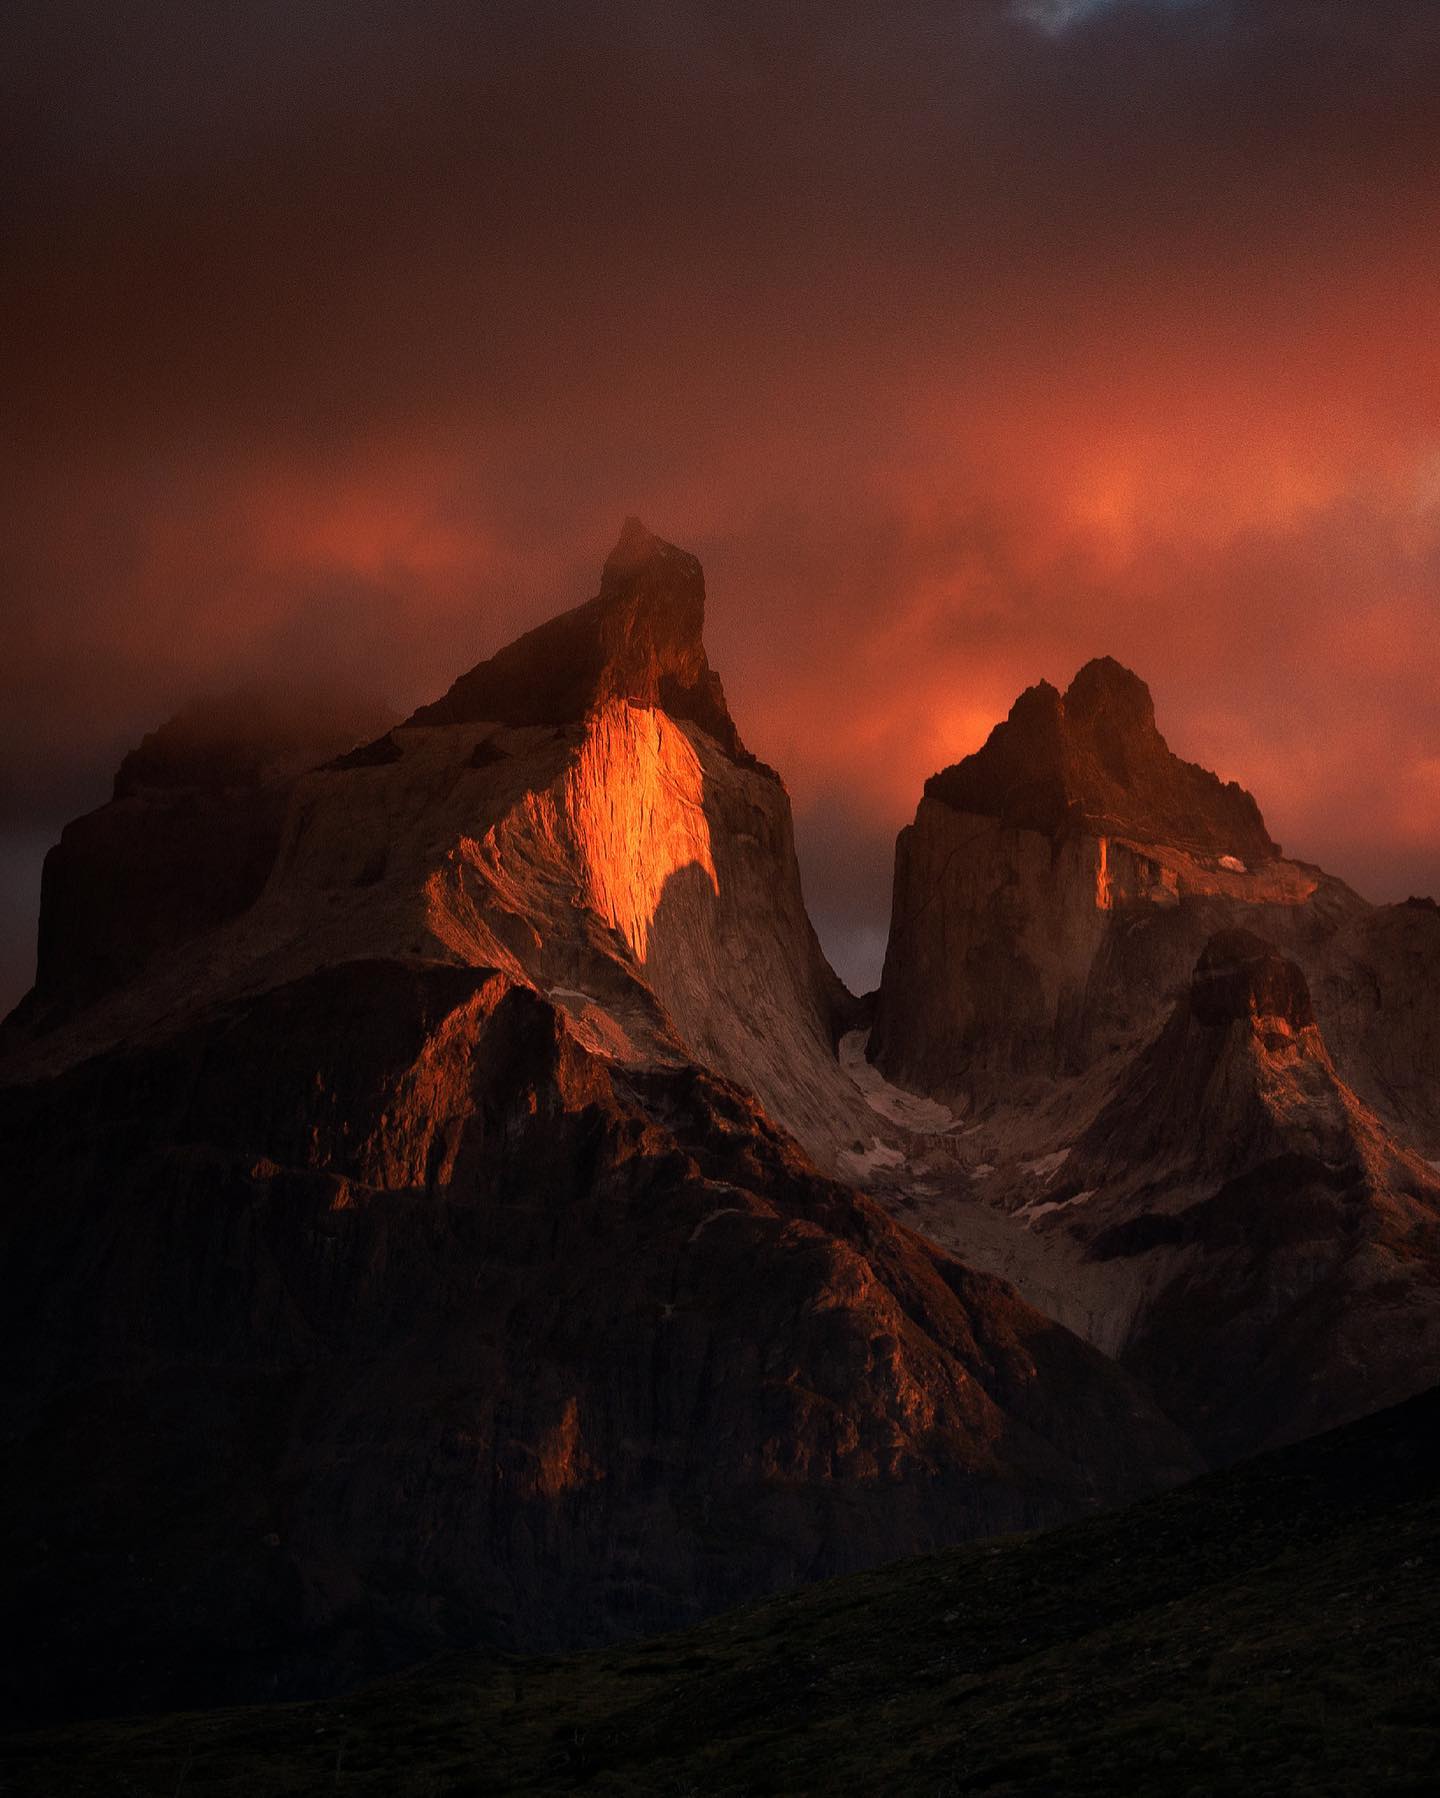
(1271, 1629)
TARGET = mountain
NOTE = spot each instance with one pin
(1057, 886)
(602, 836)
(1286, 1249)
(1262, 1630)
(1180, 1089)
(429, 1240)
(187, 841)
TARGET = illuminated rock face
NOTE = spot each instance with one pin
(419, 1257)
(1057, 887)
(641, 639)
(1196, 1085)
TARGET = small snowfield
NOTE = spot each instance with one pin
(893, 1103)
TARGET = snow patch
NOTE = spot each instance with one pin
(879, 1155)
(1045, 1167)
(1036, 1209)
(893, 1103)
(1232, 864)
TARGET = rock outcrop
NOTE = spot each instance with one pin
(1093, 762)
(1279, 1251)
(1377, 987)
(1056, 888)
(1183, 1091)
(408, 1258)
(187, 841)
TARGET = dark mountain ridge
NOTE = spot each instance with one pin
(1268, 1629)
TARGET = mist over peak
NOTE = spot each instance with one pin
(335, 350)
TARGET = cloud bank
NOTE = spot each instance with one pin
(341, 339)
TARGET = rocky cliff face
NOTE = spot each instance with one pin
(1282, 1250)
(1093, 762)
(187, 841)
(417, 1255)
(1182, 1090)
(1056, 888)
(1377, 987)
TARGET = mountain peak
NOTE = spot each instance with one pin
(1105, 688)
(638, 551)
(1093, 761)
(641, 638)
(635, 540)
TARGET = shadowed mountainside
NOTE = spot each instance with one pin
(1178, 1088)
(186, 843)
(1266, 1630)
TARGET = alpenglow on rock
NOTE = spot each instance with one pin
(1058, 884)
(1192, 1084)
(640, 639)
(428, 1253)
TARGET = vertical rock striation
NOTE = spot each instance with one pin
(412, 1252)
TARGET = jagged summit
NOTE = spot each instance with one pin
(639, 553)
(1105, 689)
(640, 638)
(1093, 761)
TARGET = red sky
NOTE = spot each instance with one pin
(962, 343)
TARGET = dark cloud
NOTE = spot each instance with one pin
(341, 337)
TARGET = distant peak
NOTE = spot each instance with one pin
(1105, 687)
(640, 551)
(635, 545)
(1094, 761)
